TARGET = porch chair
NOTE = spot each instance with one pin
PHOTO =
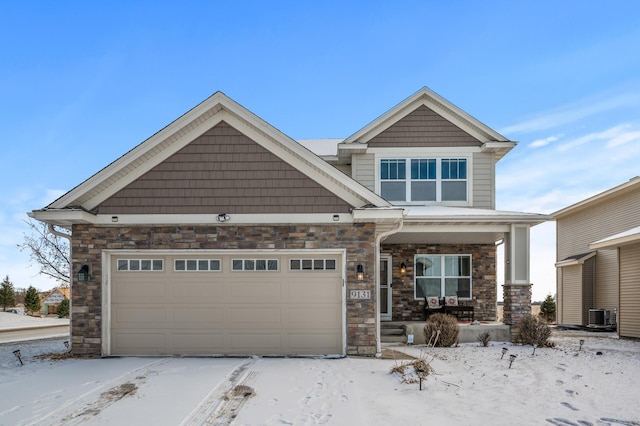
(432, 305)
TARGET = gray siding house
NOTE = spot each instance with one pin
(598, 259)
(222, 235)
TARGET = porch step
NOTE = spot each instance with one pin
(392, 332)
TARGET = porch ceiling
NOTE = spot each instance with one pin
(444, 237)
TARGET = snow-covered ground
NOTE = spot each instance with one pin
(471, 385)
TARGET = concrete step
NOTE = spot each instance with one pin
(393, 339)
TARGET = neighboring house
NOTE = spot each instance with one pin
(222, 235)
(598, 260)
(51, 301)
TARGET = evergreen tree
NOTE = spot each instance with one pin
(548, 308)
(7, 294)
(32, 300)
(63, 308)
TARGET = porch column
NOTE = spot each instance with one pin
(517, 285)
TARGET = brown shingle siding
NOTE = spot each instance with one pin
(223, 170)
(423, 128)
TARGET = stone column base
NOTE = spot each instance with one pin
(517, 304)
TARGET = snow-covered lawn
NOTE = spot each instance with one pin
(471, 385)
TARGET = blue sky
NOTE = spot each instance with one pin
(81, 83)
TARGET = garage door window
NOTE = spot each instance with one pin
(143, 265)
(254, 264)
(312, 264)
(188, 265)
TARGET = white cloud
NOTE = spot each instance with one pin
(543, 142)
(573, 112)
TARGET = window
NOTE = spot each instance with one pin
(429, 179)
(144, 265)
(254, 264)
(197, 265)
(442, 275)
(312, 264)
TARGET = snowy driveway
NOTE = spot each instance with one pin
(570, 385)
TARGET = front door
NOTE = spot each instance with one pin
(385, 288)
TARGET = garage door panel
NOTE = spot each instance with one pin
(258, 317)
(318, 316)
(227, 312)
(308, 344)
(265, 342)
(139, 317)
(198, 343)
(145, 342)
(198, 317)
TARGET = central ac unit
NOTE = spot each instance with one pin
(599, 318)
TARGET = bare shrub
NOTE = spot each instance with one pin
(484, 338)
(413, 371)
(441, 330)
(534, 331)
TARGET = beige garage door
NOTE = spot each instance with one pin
(227, 304)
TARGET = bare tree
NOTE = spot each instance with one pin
(51, 252)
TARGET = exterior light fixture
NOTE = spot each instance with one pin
(336, 217)
(66, 343)
(403, 268)
(512, 358)
(360, 272)
(83, 273)
(114, 219)
(504, 351)
(223, 217)
(581, 343)
(17, 354)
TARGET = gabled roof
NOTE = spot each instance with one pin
(490, 139)
(192, 124)
(631, 185)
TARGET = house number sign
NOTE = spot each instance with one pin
(360, 294)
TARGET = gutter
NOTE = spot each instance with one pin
(379, 238)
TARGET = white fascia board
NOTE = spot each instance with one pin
(596, 198)
(418, 152)
(63, 217)
(432, 100)
(212, 219)
(378, 215)
(624, 238)
(572, 262)
(211, 105)
(408, 228)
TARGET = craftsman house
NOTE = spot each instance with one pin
(598, 260)
(222, 235)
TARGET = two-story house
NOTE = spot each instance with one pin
(222, 235)
(598, 260)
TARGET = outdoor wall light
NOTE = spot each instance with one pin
(83, 273)
(403, 268)
(114, 219)
(223, 217)
(360, 272)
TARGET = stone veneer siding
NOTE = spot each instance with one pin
(517, 304)
(88, 242)
(484, 285)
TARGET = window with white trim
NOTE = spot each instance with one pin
(270, 265)
(429, 179)
(142, 265)
(188, 265)
(442, 275)
(312, 264)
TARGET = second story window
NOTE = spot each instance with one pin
(427, 180)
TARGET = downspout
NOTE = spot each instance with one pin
(379, 238)
(53, 230)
